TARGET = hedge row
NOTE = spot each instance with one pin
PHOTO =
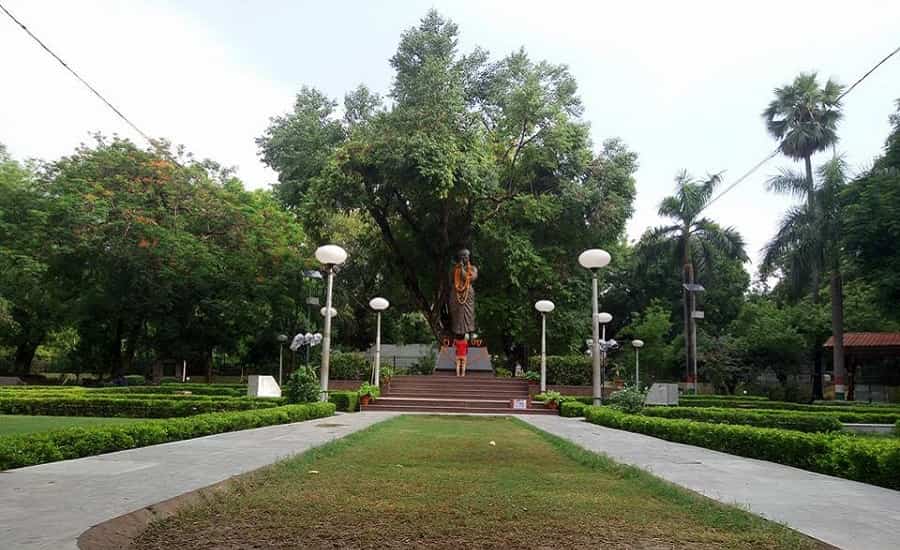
(29, 449)
(572, 409)
(701, 401)
(117, 395)
(568, 370)
(870, 460)
(346, 401)
(230, 390)
(130, 408)
(725, 397)
(787, 420)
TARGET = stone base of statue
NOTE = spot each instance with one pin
(478, 361)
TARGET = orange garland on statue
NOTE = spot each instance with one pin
(462, 286)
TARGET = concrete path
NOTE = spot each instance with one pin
(843, 513)
(50, 505)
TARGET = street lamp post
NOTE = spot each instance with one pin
(379, 305)
(693, 289)
(545, 307)
(330, 256)
(595, 259)
(638, 344)
(282, 338)
(604, 319)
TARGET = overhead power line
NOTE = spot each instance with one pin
(774, 153)
(80, 79)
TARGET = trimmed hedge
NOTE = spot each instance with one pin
(349, 365)
(889, 413)
(77, 405)
(228, 390)
(897, 429)
(870, 460)
(725, 397)
(786, 420)
(572, 409)
(567, 370)
(346, 401)
(21, 450)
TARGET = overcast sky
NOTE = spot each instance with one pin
(683, 83)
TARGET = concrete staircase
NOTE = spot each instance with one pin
(447, 393)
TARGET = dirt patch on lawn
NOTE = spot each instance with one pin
(119, 533)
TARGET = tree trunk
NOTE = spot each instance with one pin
(687, 277)
(837, 332)
(25, 355)
(115, 352)
(815, 282)
(208, 360)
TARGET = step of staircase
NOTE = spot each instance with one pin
(449, 409)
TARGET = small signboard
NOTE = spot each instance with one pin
(520, 403)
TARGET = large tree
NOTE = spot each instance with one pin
(691, 241)
(808, 239)
(803, 117)
(471, 153)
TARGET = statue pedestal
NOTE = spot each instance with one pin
(478, 360)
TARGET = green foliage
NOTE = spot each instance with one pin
(488, 163)
(501, 372)
(130, 407)
(862, 459)
(803, 116)
(569, 370)
(653, 326)
(533, 376)
(349, 365)
(572, 409)
(369, 389)
(629, 400)
(346, 401)
(788, 420)
(550, 397)
(227, 390)
(302, 386)
(27, 450)
(844, 413)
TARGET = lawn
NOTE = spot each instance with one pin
(437, 482)
(17, 424)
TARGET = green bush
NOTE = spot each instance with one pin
(369, 389)
(346, 401)
(349, 365)
(135, 380)
(876, 414)
(787, 420)
(869, 460)
(229, 390)
(569, 370)
(572, 409)
(302, 386)
(897, 429)
(725, 397)
(134, 407)
(17, 451)
(501, 372)
(630, 400)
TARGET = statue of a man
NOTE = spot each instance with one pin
(462, 296)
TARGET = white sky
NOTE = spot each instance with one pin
(683, 83)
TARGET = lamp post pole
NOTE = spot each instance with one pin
(326, 339)
(330, 256)
(379, 305)
(594, 259)
(282, 338)
(595, 352)
(637, 344)
(545, 307)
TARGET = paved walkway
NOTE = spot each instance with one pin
(50, 505)
(843, 513)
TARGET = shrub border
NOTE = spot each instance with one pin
(17, 451)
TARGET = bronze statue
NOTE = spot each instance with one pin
(462, 296)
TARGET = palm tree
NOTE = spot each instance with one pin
(808, 240)
(803, 117)
(690, 239)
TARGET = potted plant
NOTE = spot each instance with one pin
(552, 399)
(368, 392)
(387, 374)
(534, 378)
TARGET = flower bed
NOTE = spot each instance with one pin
(870, 460)
(29, 449)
